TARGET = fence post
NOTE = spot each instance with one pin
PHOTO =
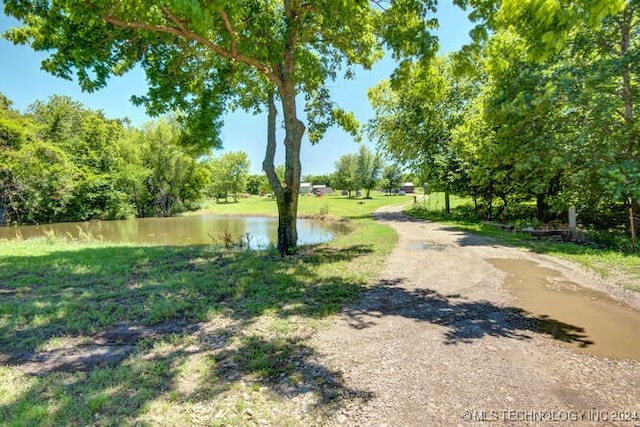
(573, 226)
(633, 229)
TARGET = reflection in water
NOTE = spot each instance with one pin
(184, 230)
(607, 327)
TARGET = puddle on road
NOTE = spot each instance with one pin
(427, 246)
(609, 327)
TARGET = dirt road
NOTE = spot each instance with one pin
(441, 341)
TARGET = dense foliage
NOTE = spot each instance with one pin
(63, 162)
(203, 58)
(539, 116)
(357, 171)
(229, 175)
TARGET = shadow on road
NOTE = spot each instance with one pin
(464, 321)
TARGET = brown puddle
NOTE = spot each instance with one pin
(606, 327)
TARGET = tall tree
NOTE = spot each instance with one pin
(345, 176)
(601, 40)
(92, 142)
(174, 180)
(16, 132)
(257, 184)
(391, 177)
(201, 57)
(229, 174)
(528, 152)
(415, 116)
(368, 168)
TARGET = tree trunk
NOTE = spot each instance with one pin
(288, 202)
(541, 207)
(286, 192)
(3, 210)
(635, 209)
(447, 203)
(627, 91)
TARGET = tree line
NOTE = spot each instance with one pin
(211, 57)
(365, 170)
(60, 161)
(535, 112)
(207, 58)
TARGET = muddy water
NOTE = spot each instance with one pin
(187, 230)
(585, 319)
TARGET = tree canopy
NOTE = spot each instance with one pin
(228, 174)
(63, 162)
(542, 107)
(203, 58)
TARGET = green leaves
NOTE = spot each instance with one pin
(547, 24)
(228, 174)
(63, 162)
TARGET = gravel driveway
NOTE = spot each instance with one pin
(440, 341)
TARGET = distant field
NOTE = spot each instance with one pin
(337, 206)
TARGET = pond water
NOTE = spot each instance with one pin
(183, 230)
(588, 320)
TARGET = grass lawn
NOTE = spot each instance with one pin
(335, 206)
(94, 333)
(623, 266)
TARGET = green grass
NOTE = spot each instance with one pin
(246, 315)
(609, 262)
(335, 206)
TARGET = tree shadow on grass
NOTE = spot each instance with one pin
(109, 330)
(464, 321)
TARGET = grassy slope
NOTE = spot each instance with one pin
(245, 364)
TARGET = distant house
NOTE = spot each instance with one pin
(321, 190)
(305, 188)
(408, 187)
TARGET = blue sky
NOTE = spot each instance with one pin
(22, 81)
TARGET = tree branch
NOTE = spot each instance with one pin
(192, 36)
(175, 20)
(232, 33)
(379, 4)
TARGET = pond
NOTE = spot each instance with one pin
(183, 230)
